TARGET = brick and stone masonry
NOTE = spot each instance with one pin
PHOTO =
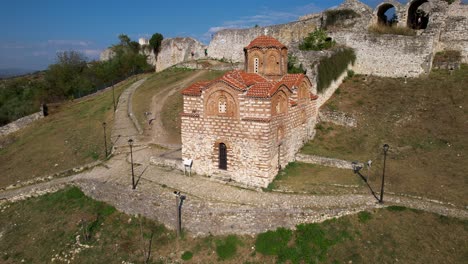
(246, 125)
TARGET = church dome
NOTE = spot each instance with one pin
(265, 42)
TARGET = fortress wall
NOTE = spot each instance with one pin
(229, 43)
(389, 55)
(177, 50)
(455, 34)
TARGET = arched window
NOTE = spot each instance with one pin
(418, 14)
(222, 156)
(256, 62)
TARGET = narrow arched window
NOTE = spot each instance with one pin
(222, 105)
(256, 62)
(222, 156)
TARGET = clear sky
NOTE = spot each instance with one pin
(32, 31)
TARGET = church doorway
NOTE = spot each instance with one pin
(222, 156)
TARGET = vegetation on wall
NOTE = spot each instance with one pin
(382, 29)
(292, 65)
(330, 68)
(337, 17)
(317, 40)
(72, 76)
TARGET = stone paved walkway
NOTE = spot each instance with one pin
(212, 207)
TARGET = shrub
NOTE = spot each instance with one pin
(317, 40)
(364, 216)
(227, 248)
(330, 68)
(187, 255)
(391, 30)
(273, 242)
(447, 56)
(292, 68)
(336, 17)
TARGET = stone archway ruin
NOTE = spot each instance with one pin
(382, 17)
(418, 14)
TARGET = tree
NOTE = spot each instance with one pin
(124, 40)
(155, 42)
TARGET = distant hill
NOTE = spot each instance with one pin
(12, 72)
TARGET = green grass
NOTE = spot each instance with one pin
(187, 255)
(330, 68)
(72, 135)
(364, 216)
(227, 248)
(423, 121)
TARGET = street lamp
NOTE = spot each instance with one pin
(130, 143)
(179, 201)
(385, 149)
(113, 96)
(105, 139)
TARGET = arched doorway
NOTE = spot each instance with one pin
(387, 15)
(222, 156)
(418, 14)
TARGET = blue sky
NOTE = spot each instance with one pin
(33, 31)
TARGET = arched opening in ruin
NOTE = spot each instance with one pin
(418, 14)
(387, 15)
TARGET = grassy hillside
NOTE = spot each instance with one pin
(70, 226)
(71, 136)
(423, 121)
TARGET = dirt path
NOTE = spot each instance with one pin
(158, 134)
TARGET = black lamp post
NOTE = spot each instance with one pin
(179, 201)
(130, 143)
(385, 149)
(113, 96)
(105, 139)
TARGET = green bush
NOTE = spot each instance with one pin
(317, 40)
(330, 68)
(187, 255)
(364, 216)
(273, 242)
(337, 16)
(292, 62)
(227, 248)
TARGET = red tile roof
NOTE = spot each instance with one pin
(195, 89)
(256, 85)
(265, 42)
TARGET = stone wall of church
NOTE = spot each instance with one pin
(252, 140)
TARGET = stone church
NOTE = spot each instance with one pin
(247, 125)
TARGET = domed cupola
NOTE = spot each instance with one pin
(267, 56)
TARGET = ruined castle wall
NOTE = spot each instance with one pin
(389, 55)
(230, 43)
(20, 123)
(455, 34)
(177, 50)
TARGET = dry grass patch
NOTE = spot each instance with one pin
(391, 30)
(316, 179)
(423, 121)
(72, 135)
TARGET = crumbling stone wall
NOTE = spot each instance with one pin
(230, 43)
(177, 50)
(455, 34)
(20, 123)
